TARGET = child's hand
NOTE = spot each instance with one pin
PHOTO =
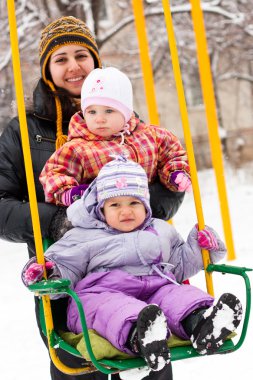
(207, 240)
(35, 272)
(182, 181)
(71, 195)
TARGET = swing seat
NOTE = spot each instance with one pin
(62, 286)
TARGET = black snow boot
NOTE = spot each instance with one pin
(148, 339)
(192, 320)
(216, 324)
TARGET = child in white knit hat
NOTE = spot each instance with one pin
(107, 125)
(127, 269)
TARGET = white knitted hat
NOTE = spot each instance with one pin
(108, 87)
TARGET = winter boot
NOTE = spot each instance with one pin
(149, 337)
(216, 324)
(192, 320)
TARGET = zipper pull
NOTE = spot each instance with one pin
(40, 139)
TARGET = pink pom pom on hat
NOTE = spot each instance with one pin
(108, 87)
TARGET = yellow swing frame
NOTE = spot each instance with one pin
(45, 288)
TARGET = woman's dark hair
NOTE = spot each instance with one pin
(44, 102)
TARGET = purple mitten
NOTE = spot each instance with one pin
(35, 272)
(207, 240)
(181, 181)
(71, 195)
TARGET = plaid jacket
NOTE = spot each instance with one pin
(79, 160)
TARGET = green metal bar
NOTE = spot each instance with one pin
(188, 352)
(240, 271)
(223, 268)
(50, 286)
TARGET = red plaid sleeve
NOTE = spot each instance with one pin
(62, 171)
(171, 156)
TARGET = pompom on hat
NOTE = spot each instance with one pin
(122, 177)
(66, 30)
(108, 87)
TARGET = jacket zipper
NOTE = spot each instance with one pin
(40, 138)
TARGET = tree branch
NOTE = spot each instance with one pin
(235, 75)
(184, 8)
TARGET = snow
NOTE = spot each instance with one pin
(23, 353)
(156, 331)
(135, 374)
(240, 197)
(225, 317)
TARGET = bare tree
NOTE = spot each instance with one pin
(229, 26)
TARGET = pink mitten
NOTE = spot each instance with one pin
(207, 240)
(35, 272)
(183, 182)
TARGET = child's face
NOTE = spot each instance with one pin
(124, 213)
(104, 121)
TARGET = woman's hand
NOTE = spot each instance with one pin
(71, 195)
(181, 181)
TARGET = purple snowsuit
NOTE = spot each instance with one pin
(117, 274)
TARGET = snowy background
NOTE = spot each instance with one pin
(23, 355)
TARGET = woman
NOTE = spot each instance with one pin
(68, 52)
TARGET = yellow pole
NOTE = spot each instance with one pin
(146, 66)
(24, 132)
(30, 179)
(212, 122)
(187, 133)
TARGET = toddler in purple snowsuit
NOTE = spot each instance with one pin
(128, 268)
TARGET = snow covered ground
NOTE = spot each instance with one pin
(240, 196)
(23, 355)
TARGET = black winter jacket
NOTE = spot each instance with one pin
(15, 218)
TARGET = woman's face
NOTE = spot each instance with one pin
(69, 66)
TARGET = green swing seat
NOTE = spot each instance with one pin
(108, 366)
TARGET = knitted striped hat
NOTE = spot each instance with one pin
(64, 31)
(122, 177)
